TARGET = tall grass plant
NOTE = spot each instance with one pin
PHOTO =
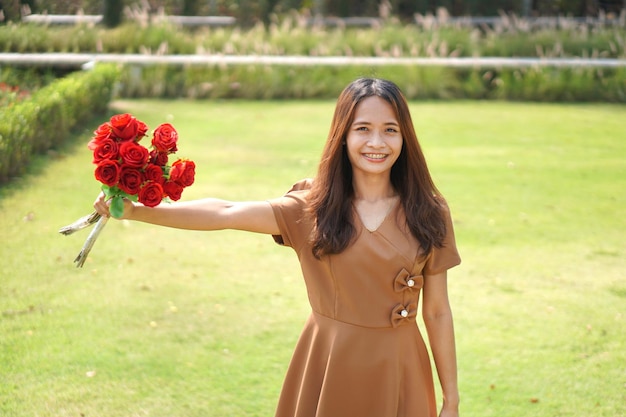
(291, 34)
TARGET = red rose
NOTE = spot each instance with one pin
(165, 138)
(101, 133)
(124, 126)
(158, 158)
(151, 194)
(108, 172)
(106, 149)
(173, 190)
(133, 154)
(142, 129)
(183, 172)
(130, 180)
(154, 173)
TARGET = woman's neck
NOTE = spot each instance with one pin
(372, 190)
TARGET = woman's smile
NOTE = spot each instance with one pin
(376, 155)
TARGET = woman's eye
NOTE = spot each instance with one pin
(362, 128)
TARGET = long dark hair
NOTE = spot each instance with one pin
(332, 192)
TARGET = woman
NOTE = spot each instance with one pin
(371, 232)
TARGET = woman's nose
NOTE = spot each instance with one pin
(376, 140)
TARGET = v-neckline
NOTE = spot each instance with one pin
(392, 209)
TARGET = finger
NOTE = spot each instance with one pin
(98, 199)
(101, 206)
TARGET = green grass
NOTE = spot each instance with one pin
(162, 322)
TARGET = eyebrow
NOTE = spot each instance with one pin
(365, 122)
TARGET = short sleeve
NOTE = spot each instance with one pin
(447, 256)
(291, 217)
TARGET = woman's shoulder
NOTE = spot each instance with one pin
(438, 207)
(296, 196)
(290, 211)
(303, 184)
(300, 190)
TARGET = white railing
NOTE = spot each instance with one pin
(420, 20)
(67, 19)
(61, 19)
(79, 60)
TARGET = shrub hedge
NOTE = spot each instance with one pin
(296, 82)
(44, 120)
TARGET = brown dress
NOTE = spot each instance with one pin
(360, 352)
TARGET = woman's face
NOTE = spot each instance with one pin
(374, 140)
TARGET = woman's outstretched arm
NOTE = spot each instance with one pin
(204, 214)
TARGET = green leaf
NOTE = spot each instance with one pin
(131, 197)
(117, 206)
(108, 191)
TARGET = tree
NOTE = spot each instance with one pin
(112, 14)
(31, 5)
(190, 8)
(10, 10)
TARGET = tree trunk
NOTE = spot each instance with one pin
(190, 7)
(112, 14)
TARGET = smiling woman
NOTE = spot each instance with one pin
(371, 233)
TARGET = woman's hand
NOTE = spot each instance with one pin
(101, 205)
(449, 413)
(449, 409)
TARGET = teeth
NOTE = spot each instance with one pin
(375, 155)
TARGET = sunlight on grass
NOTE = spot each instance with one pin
(163, 322)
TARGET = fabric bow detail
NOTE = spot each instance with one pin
(402, 314)
(405, 281)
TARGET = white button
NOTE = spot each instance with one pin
(410, 283)
(404, 313)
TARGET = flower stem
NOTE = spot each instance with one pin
(91, 239)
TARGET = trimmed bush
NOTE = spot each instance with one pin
(44, 121)
(418, 83)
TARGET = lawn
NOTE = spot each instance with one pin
(162, 322)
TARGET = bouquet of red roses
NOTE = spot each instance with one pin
(130, 170)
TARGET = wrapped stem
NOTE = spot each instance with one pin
(91, 239)
(80, 224)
